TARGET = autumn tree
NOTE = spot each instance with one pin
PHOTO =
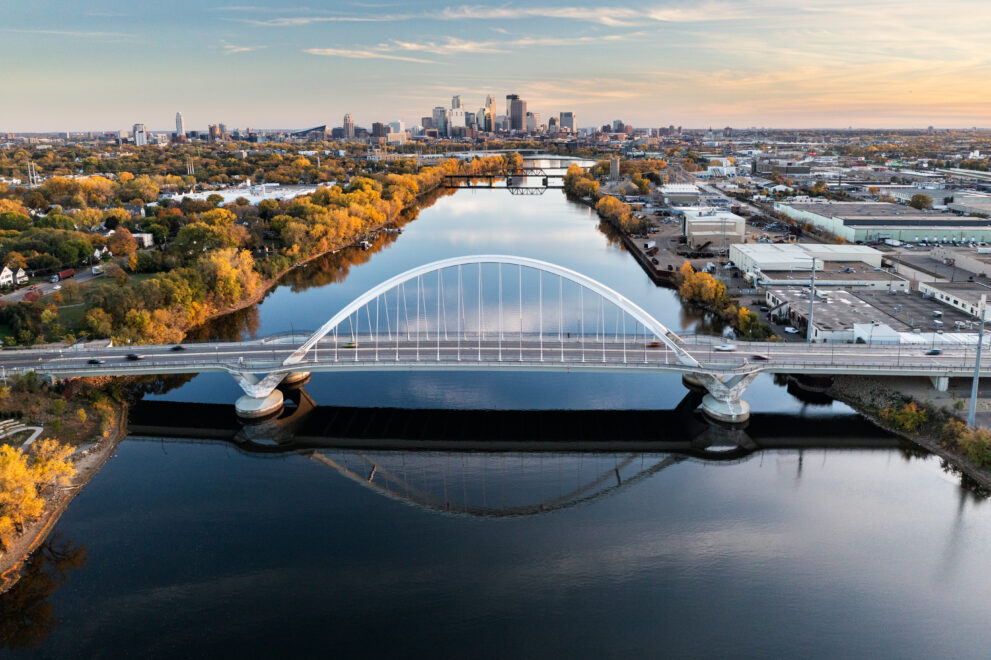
(921, 201)
(122, 243)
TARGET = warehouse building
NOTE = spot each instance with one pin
(711, 227)
(866, 222)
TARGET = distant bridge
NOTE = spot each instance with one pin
(521, 181)
(496, 313)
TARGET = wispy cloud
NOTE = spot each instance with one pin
(363, 55)
(86, 34)
(456, 46)
(232, 49)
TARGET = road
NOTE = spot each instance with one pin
(81, 276)
(511, 354)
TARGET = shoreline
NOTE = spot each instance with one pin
(846, 389)
(87, 465)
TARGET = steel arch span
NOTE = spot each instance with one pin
(659, 330)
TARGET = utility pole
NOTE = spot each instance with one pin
(812, 298)
(972, 414)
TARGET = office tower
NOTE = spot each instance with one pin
(618, 126)
(180, 125)
(378, 129)
(348, 126)
(440, 120)
(455, 102)
(214, 132)
(397, 126)
(567, 122)
(427, 122)
(223, 128)
(490, 109)
(456, 122)
(516, 110)
(140, 135)
(552, 125)
(532, 122)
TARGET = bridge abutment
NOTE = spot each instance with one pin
(296, 378)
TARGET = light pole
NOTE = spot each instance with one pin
(972, 414)
(812, 297)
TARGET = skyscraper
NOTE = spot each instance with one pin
(180, 125)
(440, 120)
(490, 110)
(455, 102)
(348, 126)
(567, 122)
(516, 111)
(140, 135)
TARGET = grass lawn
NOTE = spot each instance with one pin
(71, 318)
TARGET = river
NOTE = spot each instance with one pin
(181, 548)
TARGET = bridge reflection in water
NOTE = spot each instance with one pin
(502, 463)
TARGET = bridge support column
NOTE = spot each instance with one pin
(940, 383)
(261, 398)
(250, 407)
(723, 402)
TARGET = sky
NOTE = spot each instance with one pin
(107, 64)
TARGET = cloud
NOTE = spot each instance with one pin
(71, 33)
(231, 49)
(363, 55)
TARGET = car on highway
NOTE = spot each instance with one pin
(654, 344)
(759, 358)
(791, 331)
(350, 344)
(178, 347)
(134, 356)
(95, 361)
(724, 348)
(934, 351)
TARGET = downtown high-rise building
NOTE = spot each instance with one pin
(180, 125)
(567, 122)
(455, 102)
(348, 126)
(516, 112)
(490, 113)
(440, 119)
(140, 135)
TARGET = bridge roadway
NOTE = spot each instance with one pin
(723, 373)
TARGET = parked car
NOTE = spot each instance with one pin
(791, 331)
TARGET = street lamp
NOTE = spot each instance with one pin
(972, 414)
(812, 297)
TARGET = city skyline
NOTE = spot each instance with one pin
(876, 63)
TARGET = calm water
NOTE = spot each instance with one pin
(186, 548)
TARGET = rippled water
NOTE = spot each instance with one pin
(182, 548)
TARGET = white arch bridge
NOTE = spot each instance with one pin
(496, 313)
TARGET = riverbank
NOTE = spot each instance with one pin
(870, 397)
(87, 463)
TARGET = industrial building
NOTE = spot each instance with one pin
(679, 194)
(965, 296)
(865, 222)
(711, 227)
(837, 266)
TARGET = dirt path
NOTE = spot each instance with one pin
(87, 464)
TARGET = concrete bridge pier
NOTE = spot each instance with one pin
(723, 402)
(261, 398)
(940, 383)
(250, 407)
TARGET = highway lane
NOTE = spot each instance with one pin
(259, 356)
